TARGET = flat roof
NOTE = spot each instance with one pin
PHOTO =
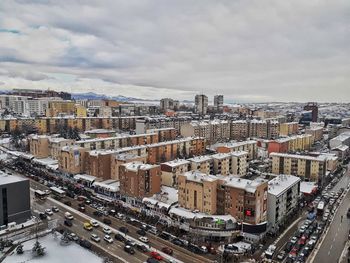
(6, 178)
(135, 166)
(176, 162)
(199, 177)
(282, 183)
(320, 158)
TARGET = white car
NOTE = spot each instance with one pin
(107, 230)
(48, 212)
(73, 236)
(94, 223)
(55, 209)
(144, 239)
(68, 216)
(108, 239)
(95, 238)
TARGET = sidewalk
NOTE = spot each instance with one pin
(344, 258)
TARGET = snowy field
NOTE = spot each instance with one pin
(54, 252)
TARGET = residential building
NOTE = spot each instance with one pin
(59, 108)
(168, 104)
(239, 130)
(219, 103)
(37, 93)
(15, 199)
(201, 104)
(221, 163)
(56, 144)
(342, 139)
(288, 128)
(71, 159)
(39, 146)
(202, 163)
(164, 134)
(248, 146)
(122, 158)
(238, 163)
(138, 180)
(197, 191)
(98, 164)
(282, 200)
(294, 143)
(316, 132)
(171, 171)
(80, 111)
(307, 167)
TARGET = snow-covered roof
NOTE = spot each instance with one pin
(201, 158)
(6, 178)
(307, 187)
(177, 162)
(282, 183)
(319, 158)
(85, 177)
(249, 186)
(110, 185)
(220, 156)
(45, 161)
(98, 131)
(182, 212)
(135, 166)
(199, 177)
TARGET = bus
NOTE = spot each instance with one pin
(57, 192)
(320, 208)
(40, 194)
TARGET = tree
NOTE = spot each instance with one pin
(38, 249)
(17, 136)
(19, 249)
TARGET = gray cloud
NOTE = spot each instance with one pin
(247, 50)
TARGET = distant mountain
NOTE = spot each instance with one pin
(94, 96)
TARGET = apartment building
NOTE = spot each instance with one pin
(197, 191)
(213, 131)
(72, 159)
(168, 104)
(39, 146)
(202, 163)
(248, 146)
(164, 134)
(201, 104)
(239, 130)
(119, 159)
(171, 171)
(219, 103)
(148, 123)
(98, 164)
(80, 111)
(57, 108)
(282, 199)
(288, 128)
(238, 163)
(307, 167)
(294, 143)
(139, 180)
(56, 144)
(316, 132)
(221, 163)
(245, 200)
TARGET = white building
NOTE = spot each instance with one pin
(282, 199)
(342, 139)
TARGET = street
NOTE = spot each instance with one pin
(337, 235)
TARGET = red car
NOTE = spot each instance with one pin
(167, 250)
(302, 240)
(156, 255)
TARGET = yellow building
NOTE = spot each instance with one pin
(288, 128)
(57, 108)
(308, 167)
(80, 110)
(71, 159)
(197, 191)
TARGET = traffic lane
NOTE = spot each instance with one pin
(178, 252)
(77, 227)
(336, 237)
(158, 243)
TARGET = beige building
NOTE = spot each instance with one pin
(203, 163)
(197, 191)
(39, 146)
(71, 159)
(239, 164)
(221, 163)
(306, 167)
(56, 144)
(288, 128)
(239, 130)
(316, 132)
(171, 171)
(248, 146)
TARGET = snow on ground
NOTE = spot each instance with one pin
(54, 252)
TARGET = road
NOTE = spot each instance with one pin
(337, 235)
(179, 253)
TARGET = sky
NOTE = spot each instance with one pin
(249, 50)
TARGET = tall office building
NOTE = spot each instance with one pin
(312, 106)
(201, 104)
(219, 103)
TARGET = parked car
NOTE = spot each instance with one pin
(68, 223)
(107, 221)
(55, 209)
(141, 232)
(142, 248)
(281, 255)
(42, 216)
(73, 236)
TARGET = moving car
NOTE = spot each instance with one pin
(129, 249)
(94, 223)
(73, 236)
(88, 226)
(107, 221)
(107, 230)
(108, 239)
(68, 223)
(48, 212)
(68, 216)
(144, 239)
(95, 238)
(119, 237)
(141, 232)
(142, 248)
(123, 229)
(156, 255)
(167, 250)
(55, 209)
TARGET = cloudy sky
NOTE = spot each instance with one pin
(249, 50)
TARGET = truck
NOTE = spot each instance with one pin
(320, 208)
